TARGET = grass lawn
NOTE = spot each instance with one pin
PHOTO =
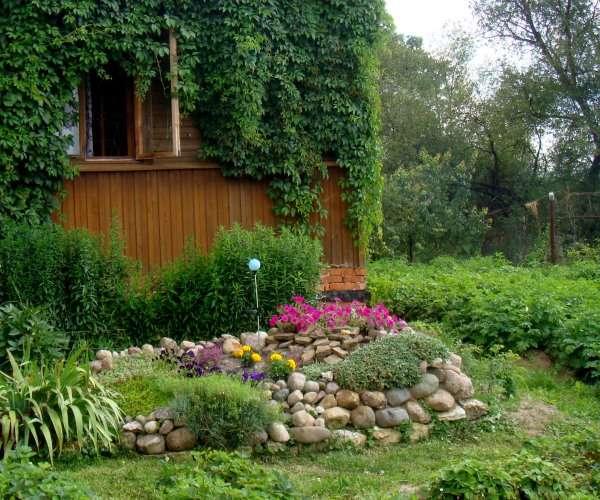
(548, 403)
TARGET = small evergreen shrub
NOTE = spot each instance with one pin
(218, 474)
(22, 479)
(26, 334)
(389, 362)
(222, 410)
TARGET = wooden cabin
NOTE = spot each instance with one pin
(137, 160)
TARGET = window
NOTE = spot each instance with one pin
(117, 124)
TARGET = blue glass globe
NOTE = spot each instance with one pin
(254, 265)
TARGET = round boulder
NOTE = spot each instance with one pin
(295, 397)
(397, 397)
(278, 433)
(363, 417)
(458, 384)
(427, 386)
(417, 413)
(374, 399)
(296, 381)
(336, 417)
(328, 401)
(181, 439)
(391, 417)
(356, 438)
(303, 419)
(347, 399)
(311, 386)
(440, 400)
(151, 444)
(309, 435)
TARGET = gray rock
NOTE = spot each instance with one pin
(397, 397)
(310, 397)
(278, 433)
(474, 408)
(458, 384)
(347, 399)
(297, 407)
(259, 437)
(387, 436)
(295, 397)
(148, 350)
(282, 384)
(150, 444)
(133, 426)
(328, 401)
(128, 440)
(331, 388)
(363, 417)
(168, 344)
(308, 356)
(456, 413)
(333, 359)
(296, 381)
(187, 345)
(151, 427)
(391, 417)
(96, 366)
(320, 422)
(336, 417)
(281, 395)
(439, 373)
(455, 359)
(141, 419)
(256, 340)
(311, 386)
(303, 419)
(103, 354)
(374, 399)
(440, 400)
(417, 413)
(428, 385)
(163, 413)
(181, 439)
(166, 427)
(309, 435)
(230, 345)
(356, 438)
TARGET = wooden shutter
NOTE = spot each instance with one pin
(157, 122)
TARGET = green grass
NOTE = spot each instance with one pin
(376, 472)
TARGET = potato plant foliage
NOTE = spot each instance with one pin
(275, 85)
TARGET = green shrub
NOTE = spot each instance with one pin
(46, 406)
(75, 277)
(290, 266)
(489, 302)
(389, 362)
(26, 334)
(223, 411)
(221, 475)
(314, 370)
(21, 479)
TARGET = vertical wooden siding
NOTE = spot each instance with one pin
(159, 210)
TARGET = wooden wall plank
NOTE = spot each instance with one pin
(153, 222)
(199, 186)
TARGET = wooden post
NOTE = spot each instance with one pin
(554, 257)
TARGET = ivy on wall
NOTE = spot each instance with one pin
(275, 86)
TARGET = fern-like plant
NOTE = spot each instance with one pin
(47, 406)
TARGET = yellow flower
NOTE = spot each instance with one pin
(291, 363)
(255, 357)
(276, 357)
(246, 348)
(238, 354)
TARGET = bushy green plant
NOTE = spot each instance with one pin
(218, 474)
(314, 370)
(223, 411)
(488, 301)
(389, 362)
(26, 334)
(77, 278)
(290, 266)
(46, 406)
(22, 479)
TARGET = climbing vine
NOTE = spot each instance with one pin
(275, 86)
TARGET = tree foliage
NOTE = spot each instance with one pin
(275, 86)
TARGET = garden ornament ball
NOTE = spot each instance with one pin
(254, 265)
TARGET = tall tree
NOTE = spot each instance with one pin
(563, 39)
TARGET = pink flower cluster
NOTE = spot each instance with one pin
(300, 316)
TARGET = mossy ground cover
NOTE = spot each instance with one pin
(380, 472)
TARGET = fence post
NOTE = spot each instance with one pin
(554, 256)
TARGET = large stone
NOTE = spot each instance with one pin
(296, 381)
(163, 413)
(303, 340)
(311, 386)
(103, 354)
(456, 413)
(187, 345)
(308, 356)
(151, 444)
(258, 437)
(322, 352)
(331, 388)
(391, 417)
(455, 359)
(336, 417)
(397, 397)
(148, 350)
(458, 384)
(332, 360)
(428, 384)
(363, 417)
(231, 345)
(417, 413)
(309, 435)
(278, 433)
(328, 401)
(356, 438)
(387, 436)
(440, 400)
(310, 397)
(96, 366)
(439, 373)
(374, 399)
(295, 397)
(168, 344)
(151, 427)
(347, 399)
(166, 427)
(303, 419)
(256, 340)
(296, 408)
(128, 440)
(181, 439)
(418, 432)
(133, 426)
(474, 408)
(281, 395)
